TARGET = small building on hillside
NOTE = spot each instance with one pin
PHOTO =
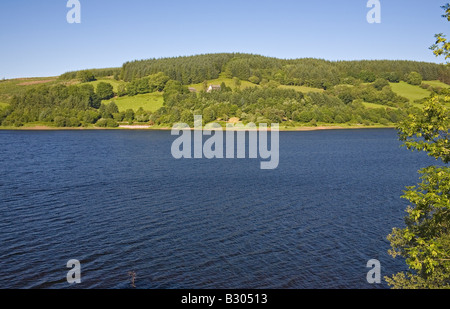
(191, 89)
(213, 88)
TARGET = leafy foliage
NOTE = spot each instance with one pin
(414, 78)
(428, 131)
(425, 242)
(85, 76)
(105, 91)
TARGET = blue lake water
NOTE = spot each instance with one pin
(118, 202)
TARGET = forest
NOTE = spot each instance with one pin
(310, 72)
(342, 92)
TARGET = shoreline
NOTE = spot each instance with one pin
(151, 128)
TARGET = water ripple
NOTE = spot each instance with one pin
(118, 202)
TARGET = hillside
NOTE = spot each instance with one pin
(253, 89)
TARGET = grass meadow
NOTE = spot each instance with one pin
(149, 102)
(410, 92)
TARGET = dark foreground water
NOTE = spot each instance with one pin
(118, 202)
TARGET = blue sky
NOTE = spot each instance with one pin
(37, 40)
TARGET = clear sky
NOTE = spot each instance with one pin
(37, 40)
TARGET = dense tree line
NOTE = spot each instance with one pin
(153, 83)
(310, 72)
(259, 69)
(379, 92)
(187, 70)
(68, 106)
(267, 105)
(90, 75)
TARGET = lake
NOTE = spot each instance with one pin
(118, 202)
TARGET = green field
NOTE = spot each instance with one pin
(228, 81)
(246, 84)
(2, 105)
(113, 83)
(303, 89)
(373, 105)
(410, 92)
(436, 83)
(149, 102)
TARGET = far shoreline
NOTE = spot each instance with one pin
(152, 128)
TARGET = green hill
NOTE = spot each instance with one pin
(294, 92)
(11, 87)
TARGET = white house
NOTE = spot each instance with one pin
(213, 88)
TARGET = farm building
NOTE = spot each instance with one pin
(213, 88)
